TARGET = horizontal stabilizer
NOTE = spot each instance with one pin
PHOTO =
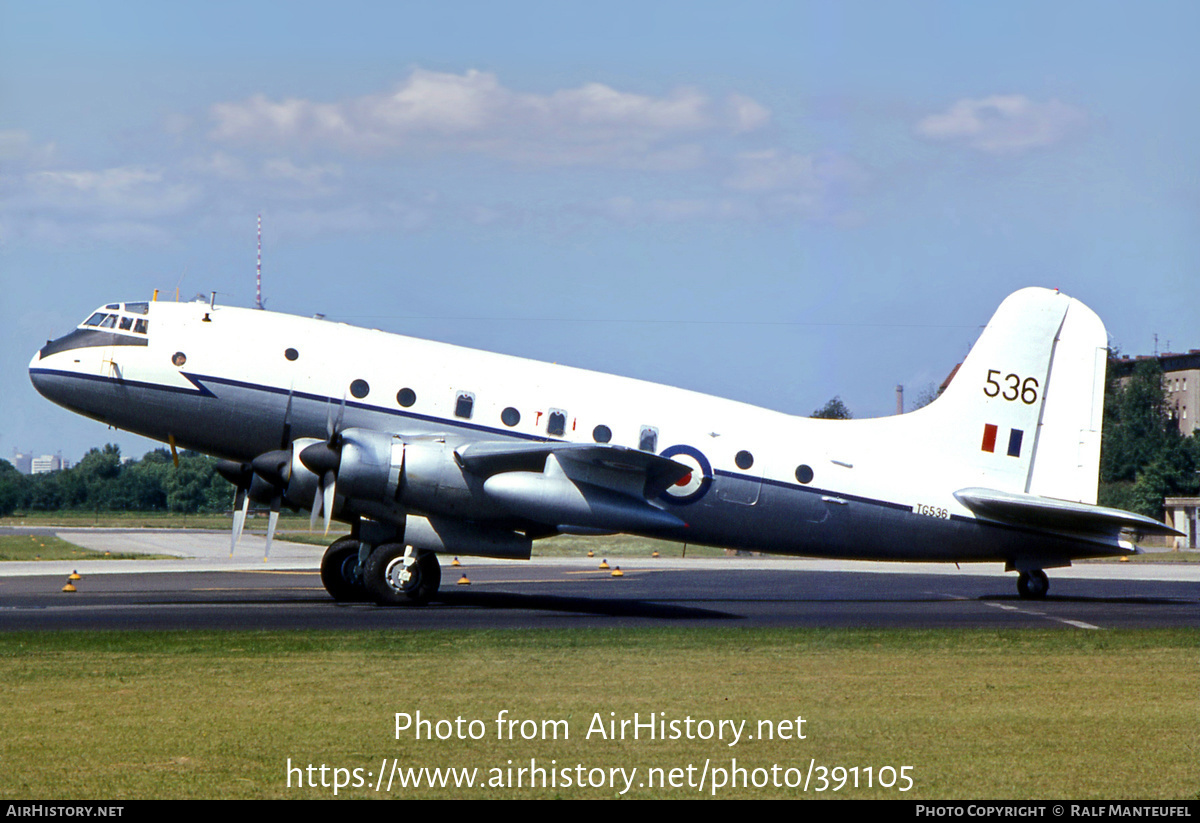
(493, 457)
(1058, 515)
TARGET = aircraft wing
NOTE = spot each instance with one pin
(1057, 515)
(576, 487)
(486, 458)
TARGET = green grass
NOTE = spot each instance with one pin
(976, 714)
(49, 547)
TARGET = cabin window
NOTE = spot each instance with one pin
(510, 416)
(140, 326)
(360, 388)
(743, 459)
(602, 434)
(804, 474)
(291, 354)
(648, 439)
(556, 423)
(464, 405)
(406, 397)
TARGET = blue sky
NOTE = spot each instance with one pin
(775, 202)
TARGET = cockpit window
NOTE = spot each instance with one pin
(95, 319)
(126, 323)
(137, 308)
(109, 321)
(140, 326)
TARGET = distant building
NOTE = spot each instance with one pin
(22, 462)
(49, 463)
(1181, 384)
(1183, 513)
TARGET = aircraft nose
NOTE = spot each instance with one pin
(35, 375)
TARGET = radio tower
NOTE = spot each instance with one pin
(258, 271)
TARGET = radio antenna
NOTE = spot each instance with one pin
(258, 270)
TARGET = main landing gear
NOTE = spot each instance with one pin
(393, 574)
(1032, 584)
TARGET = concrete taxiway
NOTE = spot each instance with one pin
(205, 588)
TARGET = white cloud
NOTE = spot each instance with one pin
(1003, 123)
(309, 177)
(122, 191)
(748, 115)
(593, 124)
(17, 147)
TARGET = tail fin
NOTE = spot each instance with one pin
(1024, 411)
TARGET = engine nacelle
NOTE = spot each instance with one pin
(448, 536)
(369, 466)
(373, 467)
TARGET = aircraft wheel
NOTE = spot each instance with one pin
(1033, 584)
(339, 572)
(391, 583)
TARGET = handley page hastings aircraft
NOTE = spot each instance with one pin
(427, 448)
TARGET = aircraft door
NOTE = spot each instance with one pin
(743, 486)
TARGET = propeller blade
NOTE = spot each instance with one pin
(272, 522)
(241, 505)
(286, 437)
(316, 508)
(330, 488)
(241, 508)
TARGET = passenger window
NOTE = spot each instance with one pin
(126, 323)
(140, 326)
(556, 423)
(602, 434)
(464, 405)
(648, 439)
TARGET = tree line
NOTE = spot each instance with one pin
(1143, 458)
(102, 482)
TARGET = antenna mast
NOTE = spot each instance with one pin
(258, 271)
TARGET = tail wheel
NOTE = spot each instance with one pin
(396, 578)
(339, 572)
(1033, 584)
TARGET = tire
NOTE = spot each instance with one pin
(383, 577)
(339, 572)
(1033, 584)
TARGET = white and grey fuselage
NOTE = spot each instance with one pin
(1001, 468)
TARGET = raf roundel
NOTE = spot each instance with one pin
(691, 487)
